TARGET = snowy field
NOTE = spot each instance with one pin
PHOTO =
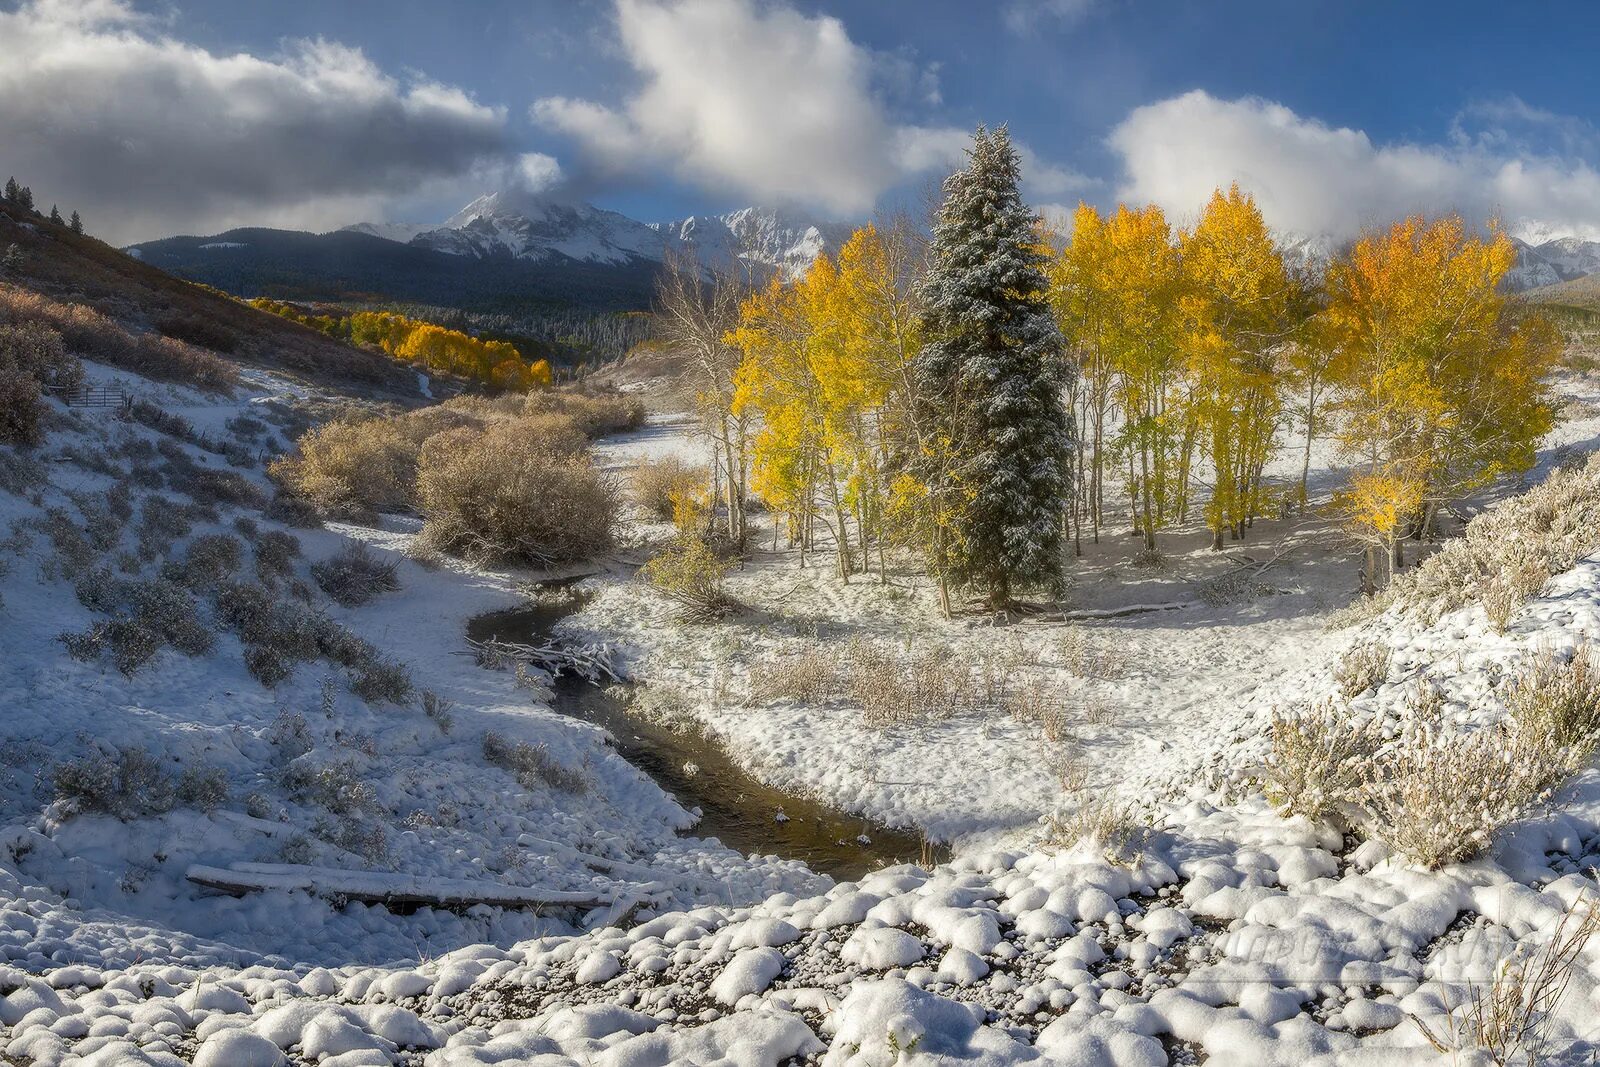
(1233, 936)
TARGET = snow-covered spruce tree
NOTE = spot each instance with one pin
(989, 380)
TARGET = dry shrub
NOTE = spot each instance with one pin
(659, 484)
(807, 676)
(502, 496)
(1508, 1019)
(532, 764)
(1437, 794)
(352, 468)
(131, 784)
(22, 409)
(37, 350)
(198, 330)
(1362, 667)
(89, 333)
(894, 689)
(693, 575)
(596, 414)
(1319, 759)
(1558, 700)
(354, 576)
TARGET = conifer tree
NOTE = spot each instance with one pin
(25, 198)
(990, 378)
(13, 191)
(55, 215)
(75, 224)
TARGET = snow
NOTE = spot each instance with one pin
(1230, 932)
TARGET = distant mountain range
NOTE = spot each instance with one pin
(502, 251)
(1552, 262)
(509, 250)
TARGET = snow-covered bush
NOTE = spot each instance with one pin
(502, 496)
(532, 764)
(151, 614)
(658, 484)
(1106, 823)
(1436, 794)
(1507, 552)
(335, 787)
(380, 681)
(1319, 759)
(354, 576)
(1558, 700)
(275, 553)
(1362, 667)
(209, 559)
(133, 783)
(440, 710)
(692, 574)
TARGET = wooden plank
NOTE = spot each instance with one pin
(377, 887)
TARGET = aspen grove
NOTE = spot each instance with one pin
(1001, 392)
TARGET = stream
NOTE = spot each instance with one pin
(734, 807)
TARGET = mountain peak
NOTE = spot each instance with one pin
(524, 225)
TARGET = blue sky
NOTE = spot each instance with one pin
(1338, 115)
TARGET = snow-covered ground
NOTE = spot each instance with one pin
(1233, 936)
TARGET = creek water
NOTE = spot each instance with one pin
(735, 807)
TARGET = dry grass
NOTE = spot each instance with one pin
(1508, 1018)
(807, 676)
(894, 689)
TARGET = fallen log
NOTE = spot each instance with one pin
(379, 887)
(589, 662)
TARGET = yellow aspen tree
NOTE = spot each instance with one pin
(1084, 305)
(870, 380)
(776, 383)
(1439, 377)
(1237, 309)
(1143, 276)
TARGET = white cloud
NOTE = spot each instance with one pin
(759, 100)
(1313, 178)
(1025, 16)
(148, 135)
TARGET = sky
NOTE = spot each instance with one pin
(157, 117)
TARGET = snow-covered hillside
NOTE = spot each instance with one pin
(528, 226)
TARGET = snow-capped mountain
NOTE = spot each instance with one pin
(1558, 260)
(756, 236)
(526, 226)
